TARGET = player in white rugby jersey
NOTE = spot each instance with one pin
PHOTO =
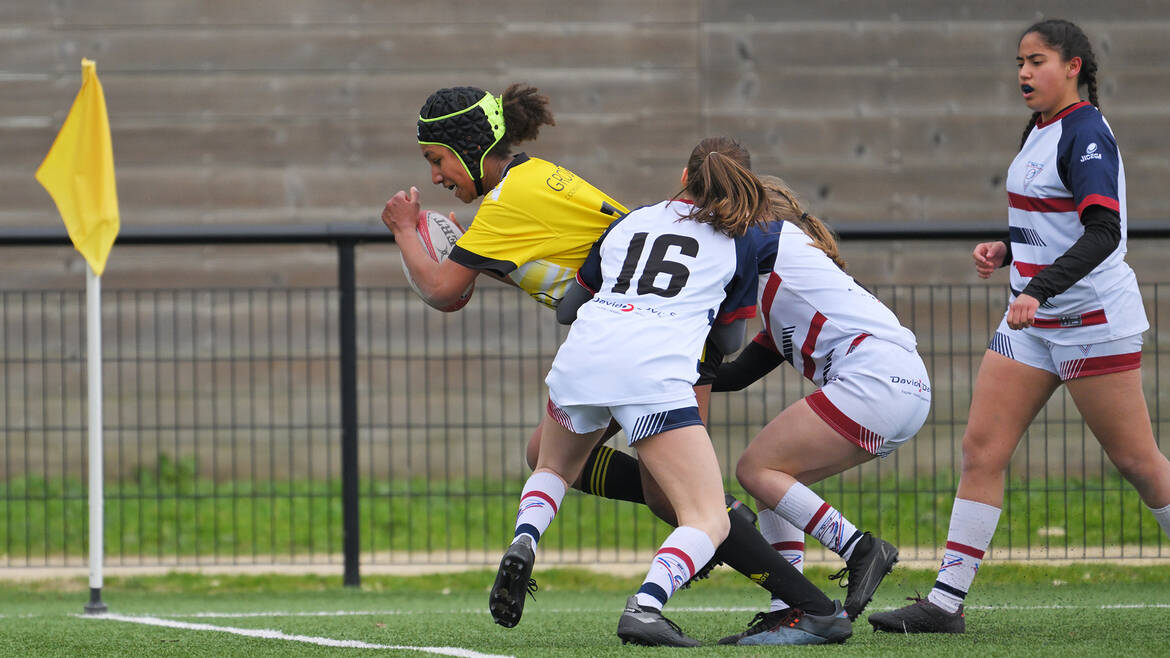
(873, 395)
(1075, 315)
(660, 277)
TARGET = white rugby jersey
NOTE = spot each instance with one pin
(1066, 165)
(659, 285)
(813, 311)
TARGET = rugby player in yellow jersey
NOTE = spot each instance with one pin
(534, 228)
(537, 220)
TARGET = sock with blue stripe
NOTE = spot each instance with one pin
(685, 550)
(803, 508)
(539, 503)
(972, 526)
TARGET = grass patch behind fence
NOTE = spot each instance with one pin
(168, 512)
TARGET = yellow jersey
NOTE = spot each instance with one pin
(536, 227)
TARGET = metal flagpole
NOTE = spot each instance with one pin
(93, 352)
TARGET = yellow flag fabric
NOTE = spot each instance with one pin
(78, 173)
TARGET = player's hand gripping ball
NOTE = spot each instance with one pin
(438, 234)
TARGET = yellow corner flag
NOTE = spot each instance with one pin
(78, 173)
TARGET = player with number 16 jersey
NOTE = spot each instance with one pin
(659, 283)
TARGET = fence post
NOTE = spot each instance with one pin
(347, 283)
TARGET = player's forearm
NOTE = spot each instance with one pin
(753, 362)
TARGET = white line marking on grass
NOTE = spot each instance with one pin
(278, 635)
(311, 613)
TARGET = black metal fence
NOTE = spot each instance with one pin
(266, 426)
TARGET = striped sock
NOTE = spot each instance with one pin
(803, 508)
(539, 502)
(684, 550)
(972, 526)
(785, 538)
(1163, 517)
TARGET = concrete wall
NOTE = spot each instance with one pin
(302, 111)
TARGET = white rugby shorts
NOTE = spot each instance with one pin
(638, 420)
(878, 396)
(1067, 361)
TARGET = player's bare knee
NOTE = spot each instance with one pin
(983, 456)
(748, 473)
(1137, 468)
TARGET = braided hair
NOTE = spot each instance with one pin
(1071, 41)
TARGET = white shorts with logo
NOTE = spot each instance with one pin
(878, 396)
(638, 420)
(1067, 361)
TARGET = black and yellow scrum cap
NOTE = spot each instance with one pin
(467, 120)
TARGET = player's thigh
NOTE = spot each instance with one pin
(1114, 407)
(1007, 396)
(563, 450)
(683, 463)
(799, 442)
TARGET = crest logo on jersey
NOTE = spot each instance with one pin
(1031, 170)
(1091, 153)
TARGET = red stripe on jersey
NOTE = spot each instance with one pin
(810, 344)
(1099, 200)
(1028, 269)
(764, 339)
(768, 297)
(677, 552)
(541, 494)
(864, 438)
(789, 546)
(825, 507)
(741, 312)
(965, 549)
(1036, 204)
(1063, 113)
(856, 342)
(1100, 365)
(582, 282)
(1067, 321)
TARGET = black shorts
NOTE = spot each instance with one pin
(709, 363)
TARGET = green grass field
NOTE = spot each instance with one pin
(1014, 610)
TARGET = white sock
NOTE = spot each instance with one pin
(785, 538)
(972, 526)
(803, 508)
(539, 503)
(1163, 517)
(685, 550)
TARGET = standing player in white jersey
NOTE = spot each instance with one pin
(661, 277)
(1075, 316)
(873, 395)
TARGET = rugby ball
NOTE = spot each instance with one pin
(438, 234)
